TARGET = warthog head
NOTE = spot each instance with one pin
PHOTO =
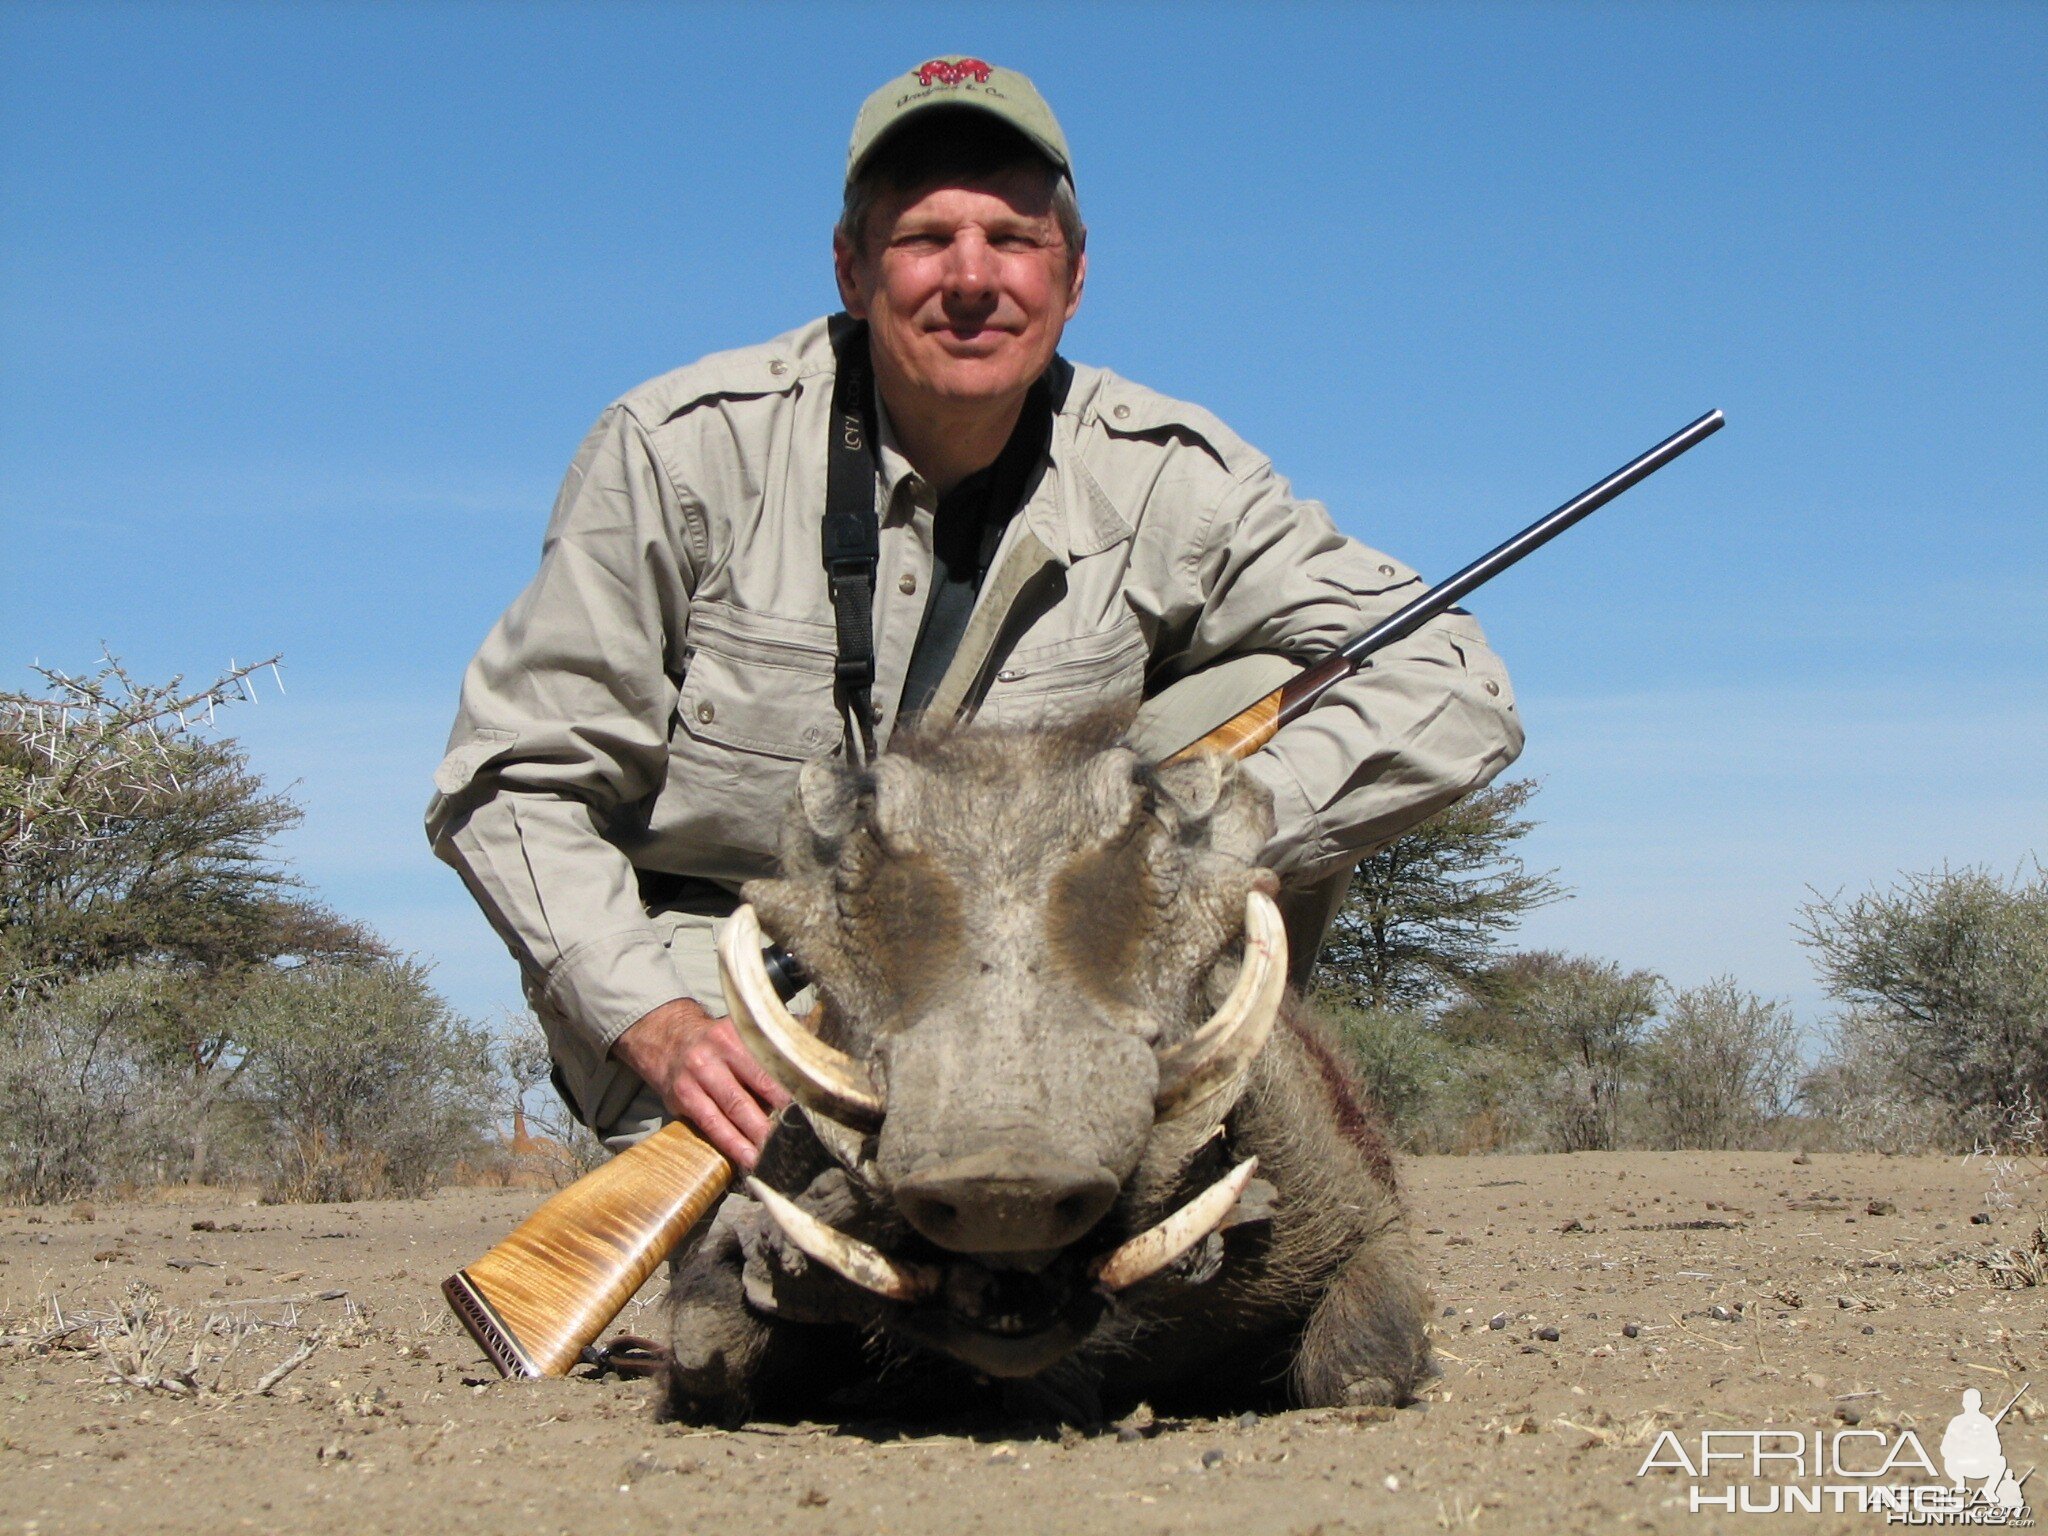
(1028, 949)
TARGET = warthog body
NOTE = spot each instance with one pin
(1048, 1027)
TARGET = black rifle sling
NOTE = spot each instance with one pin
(851, 533)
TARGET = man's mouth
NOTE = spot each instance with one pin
(972, 339)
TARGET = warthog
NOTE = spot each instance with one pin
(1059, 1120)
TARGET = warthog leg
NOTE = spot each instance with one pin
(1365, 1343)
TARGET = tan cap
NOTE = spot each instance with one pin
(953, 80)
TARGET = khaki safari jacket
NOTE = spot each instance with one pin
(646, 703)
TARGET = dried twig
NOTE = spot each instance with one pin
(290, 1363)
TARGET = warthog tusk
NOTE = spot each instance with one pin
(817, 1076)
(1222, 1048)
(868, 1268)
(1156, 1247)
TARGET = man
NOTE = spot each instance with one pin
(1041, 539)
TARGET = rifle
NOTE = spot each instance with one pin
(538, 1300)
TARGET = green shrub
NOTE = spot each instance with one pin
(363, 1081)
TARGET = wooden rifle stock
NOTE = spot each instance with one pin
(539, 1298)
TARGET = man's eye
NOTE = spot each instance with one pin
(918, 243)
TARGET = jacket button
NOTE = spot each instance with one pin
(1121, 412)
(1493, 688)
(706, 713)
(907, 585)
(778, 367)
(1008, 675)
(1386, 570)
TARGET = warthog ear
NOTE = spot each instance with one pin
(1242, 822)
(1192, 787)
(829, 793)
(1112, 790)
(1215, 795)
(899, 797)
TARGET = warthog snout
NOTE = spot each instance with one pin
(1006, 1202)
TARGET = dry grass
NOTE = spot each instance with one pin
(144, 1345)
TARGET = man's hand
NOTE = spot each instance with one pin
(703, 1074)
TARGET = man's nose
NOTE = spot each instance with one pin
(970, 272)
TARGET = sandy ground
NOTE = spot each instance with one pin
(1632, 1293)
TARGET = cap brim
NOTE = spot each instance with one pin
(922, 111)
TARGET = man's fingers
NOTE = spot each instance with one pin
(696, 1106)
(714, 1076)
(755, 1077)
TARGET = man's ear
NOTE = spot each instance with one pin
(845, 262)
(1074, 288)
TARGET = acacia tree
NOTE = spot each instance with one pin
(1591, 1016)
(130, 836)
(1723, 1065)
(1425, 913)
(1944, 982)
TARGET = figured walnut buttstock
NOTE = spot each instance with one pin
(537, 1299)
(1242, 734)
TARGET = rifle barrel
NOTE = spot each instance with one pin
(1295, 697)
(1532, 538)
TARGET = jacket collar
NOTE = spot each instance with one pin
(1067, 510)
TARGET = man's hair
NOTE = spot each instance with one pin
(954, 143)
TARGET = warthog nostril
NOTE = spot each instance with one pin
(1005, 1202)
(928, 1215)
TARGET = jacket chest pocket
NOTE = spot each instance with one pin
(759, 684)
(1065, 679)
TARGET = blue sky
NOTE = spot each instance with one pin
(304, 308)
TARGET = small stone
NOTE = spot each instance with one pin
(106, 1256)
(1879, 1208)
(1498, 1321)
(1450, 1311)
(1393, 1483)
(1631, 1330)
(335, 1451)
(1848, 1416)
(1868, 1329)
(1211, 1458)
(1721, 1314)
(1126, 1435)
(1002, 1453)
(1547, 1334)
(1801, 1157)
(1247, 1421)
(813, 1498)
(1981, 1219)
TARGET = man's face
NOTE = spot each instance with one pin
(965, 287)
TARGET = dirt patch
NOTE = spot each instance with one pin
(1587, 1303)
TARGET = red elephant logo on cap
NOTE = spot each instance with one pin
(952, 72)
